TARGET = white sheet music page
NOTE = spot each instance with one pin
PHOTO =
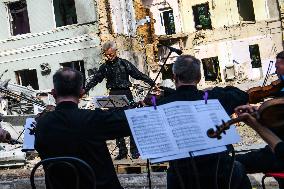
(178, 127)
(29, 139)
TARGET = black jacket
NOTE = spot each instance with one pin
(81, 133)
(117, 75)
(229, 97)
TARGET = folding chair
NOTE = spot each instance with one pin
(71, 162)
(275, 175)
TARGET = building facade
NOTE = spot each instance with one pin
(38, 37)
(234, 39)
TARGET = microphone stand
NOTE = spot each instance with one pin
(162, 67)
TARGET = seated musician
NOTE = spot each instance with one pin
(181, 173)
(264, 159)
(267, 159)
(81, 133)
(279, 65)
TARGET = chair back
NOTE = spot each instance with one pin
(77, 166)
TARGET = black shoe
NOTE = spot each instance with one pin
(121, 156)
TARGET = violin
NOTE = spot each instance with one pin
(257, 94)
(269, 114)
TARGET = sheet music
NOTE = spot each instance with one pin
(29, 139)
(178, 128)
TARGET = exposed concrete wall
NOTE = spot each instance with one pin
(86, 11)
(72, 44)
(223, 13)
(261, 10)
(44, 19)
(233, 44)
(4, 21)
(48, 44)
(273, 9)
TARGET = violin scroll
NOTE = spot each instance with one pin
(211, 133)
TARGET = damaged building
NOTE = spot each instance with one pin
(234, 39)
(39, 37)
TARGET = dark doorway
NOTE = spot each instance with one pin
(19, 18)
(255, 56)
(77, 65)
(169, 22)
(202, 16)
(27, 78)
(246, 10)
(211, 69)
(65, 12)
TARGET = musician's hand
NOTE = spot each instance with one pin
(156, 91)
(245, 109)
(244, 112)
(4, 135)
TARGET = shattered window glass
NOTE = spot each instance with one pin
(255, 56)
(169, 22)
(202, 16)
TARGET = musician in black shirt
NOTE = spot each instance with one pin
(81, 133)
(181, 173)
(116, 71)
(270, 158)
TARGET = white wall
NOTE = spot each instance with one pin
(238, 50)
(4, 21)
(123, 16)
(41, 15)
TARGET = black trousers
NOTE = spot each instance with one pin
(120, 142)
(262, 160)
(212, 172)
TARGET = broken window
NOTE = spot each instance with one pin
(169, 22)
(77, 65)
(202, 16)
(255, 56)
(27, 78)
(19, 19)
(211, 69)
(246, 10)
(65, 12)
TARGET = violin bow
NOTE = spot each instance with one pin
(267, 73)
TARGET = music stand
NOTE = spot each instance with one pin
(111, 101)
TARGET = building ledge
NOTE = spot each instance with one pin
(55, 30)
(173, 36)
